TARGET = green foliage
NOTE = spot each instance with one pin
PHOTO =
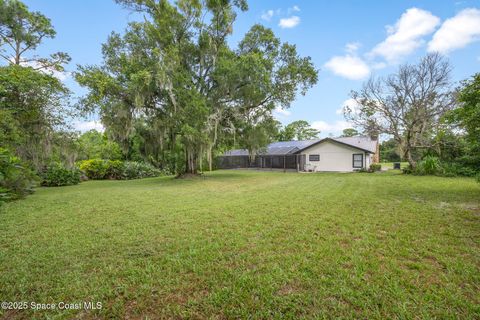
(32, 101)
(432, 165)
(453, 169)
(375, 167)
(96, 145)
(171, 87)
(467, 115)
(98, 169)
(16, 179)
(255, 136)
(298, 130)
(408, 169)
(34, 105)
(349, 132)
(22, 31)
(114, 169)
(56, 175)
(429, 166)
(138, 170)
(389, 151)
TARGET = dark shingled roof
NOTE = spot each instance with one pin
(276, 148)
(291, 147)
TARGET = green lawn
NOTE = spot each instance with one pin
(240, 244)
(389, 165)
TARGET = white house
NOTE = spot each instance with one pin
(330, 154)
(341, 154)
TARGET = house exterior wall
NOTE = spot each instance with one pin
(334, 157)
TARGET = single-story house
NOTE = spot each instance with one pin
(328, 154)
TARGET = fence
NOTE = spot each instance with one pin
(291, 161)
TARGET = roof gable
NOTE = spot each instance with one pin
(294, 147)
(363, 143)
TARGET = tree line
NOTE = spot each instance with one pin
(173, 92)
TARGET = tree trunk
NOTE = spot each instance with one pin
(191, 161)
(209, 155)
(210, 147)
(408, 156)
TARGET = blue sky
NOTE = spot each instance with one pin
(347, 40)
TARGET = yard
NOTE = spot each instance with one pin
(238, 244)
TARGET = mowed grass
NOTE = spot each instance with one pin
(248, 244)
(389, 165)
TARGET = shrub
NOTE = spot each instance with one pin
(478, 177)
(457, 169)
(96, 169)
(408, 169)
(114, 169)
(137, 170)
(375, 167)
(430, 165)
(16, 179)
(56, 175)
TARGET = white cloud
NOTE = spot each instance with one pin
(281, 113)
(332, 128)
(293, 9)
(84, 126)
(267, 16)
(349, 66)
(352, 47)
(457, 32)
(351, 103)
(60, 75)
(406, 35)
(291, 22)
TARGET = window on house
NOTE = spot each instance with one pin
(358, 160)
(314, 157)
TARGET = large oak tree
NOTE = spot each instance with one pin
(177, 72)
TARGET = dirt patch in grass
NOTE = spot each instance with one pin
(190, 176)
(289, 289)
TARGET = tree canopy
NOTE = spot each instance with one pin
(407, 105)
(176, 73)
(298, 130)
(349, 132)
(22, 31)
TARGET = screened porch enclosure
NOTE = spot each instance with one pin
(290, 161)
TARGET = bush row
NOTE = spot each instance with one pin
(18, 180)
(431, 165)
(98, 169)
(56, 175)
